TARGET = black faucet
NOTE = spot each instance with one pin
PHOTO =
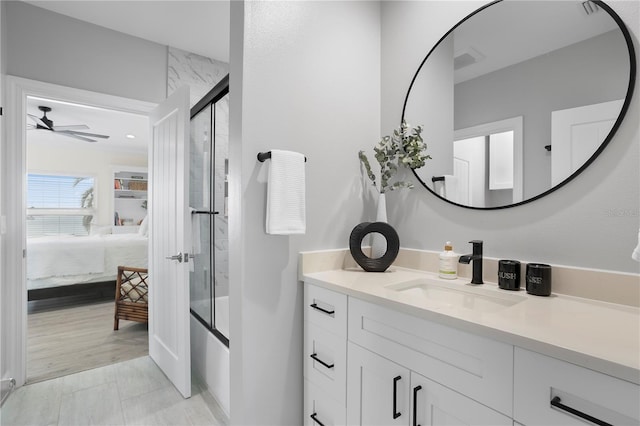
(476, 257)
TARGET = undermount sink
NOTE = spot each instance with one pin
(458, 296)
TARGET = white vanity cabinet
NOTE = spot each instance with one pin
(325, 356)
(374, 364)
(579, 393)
(398, 363)
(381, 392)
(480, 368)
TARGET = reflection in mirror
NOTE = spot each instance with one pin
(513, 108)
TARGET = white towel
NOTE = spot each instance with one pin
(449, 188)
(286, 194)
(196, 246)
(636, 253)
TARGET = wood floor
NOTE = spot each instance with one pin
(68, 339)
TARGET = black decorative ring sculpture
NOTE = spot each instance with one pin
(355, 245)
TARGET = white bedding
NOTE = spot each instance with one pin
(57, 261)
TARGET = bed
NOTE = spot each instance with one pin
(64, 265)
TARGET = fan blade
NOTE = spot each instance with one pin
(39, 122)
(72, 132)
(71, 127)
(82, 138)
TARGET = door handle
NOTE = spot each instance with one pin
(415, 405)
(177, 257)
(557, 402)
(315, 357)
(396, 414)
(318, 308)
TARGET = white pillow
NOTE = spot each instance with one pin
(144, 227)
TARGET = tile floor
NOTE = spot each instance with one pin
(133, 392)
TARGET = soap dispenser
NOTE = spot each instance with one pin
(448, 263)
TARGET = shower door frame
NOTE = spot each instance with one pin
(214, 95)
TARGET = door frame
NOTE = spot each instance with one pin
(14, 193)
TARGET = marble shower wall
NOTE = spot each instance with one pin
(201, 74)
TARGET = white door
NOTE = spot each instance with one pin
(472, 152)
(433, 404)
(461, 171)
(576, 133)
(377, 390)
(169, 240)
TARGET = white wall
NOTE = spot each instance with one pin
(54, 48)
(305, 77)
(85, 160)
(591, 222)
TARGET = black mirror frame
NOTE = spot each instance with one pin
(616, 125)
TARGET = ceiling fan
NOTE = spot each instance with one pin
(44, 123)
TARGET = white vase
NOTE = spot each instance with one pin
(378, 242)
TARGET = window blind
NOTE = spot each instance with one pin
(58, 204)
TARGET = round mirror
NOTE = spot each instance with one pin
(518, 98)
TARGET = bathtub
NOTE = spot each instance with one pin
(209, 356)
(221, 305)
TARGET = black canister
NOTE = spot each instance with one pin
(538, 279)
(509, 274)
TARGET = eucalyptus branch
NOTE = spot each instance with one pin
(405, 148)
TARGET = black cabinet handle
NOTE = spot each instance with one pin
(315, 357)
(556, 402)
(314, 418)
(318, 308)
(396, 414)
(415, 405)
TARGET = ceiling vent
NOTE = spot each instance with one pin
(466, 57)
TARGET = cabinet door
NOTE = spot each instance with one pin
(549, 391)
(434, 404)
(320, 408)
(377, 390)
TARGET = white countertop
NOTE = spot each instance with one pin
(601, 336)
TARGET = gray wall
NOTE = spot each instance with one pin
(577, 78)
(54, 48)
(591, 222)
(304, 77)
(3, 310)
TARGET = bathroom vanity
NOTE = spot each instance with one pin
(405, 347)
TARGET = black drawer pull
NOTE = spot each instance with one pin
(314, 418)
(415, 405)
(315, 357)
(556, 402)
(318, 308)
(396, 414)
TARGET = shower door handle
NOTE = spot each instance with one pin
(177, 257)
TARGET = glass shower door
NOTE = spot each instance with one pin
(201, 218)
(208, 195)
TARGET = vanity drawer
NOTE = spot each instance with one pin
(472, 365)
(327, 368)
(326, 309)
(325, 409)
(539, 379)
